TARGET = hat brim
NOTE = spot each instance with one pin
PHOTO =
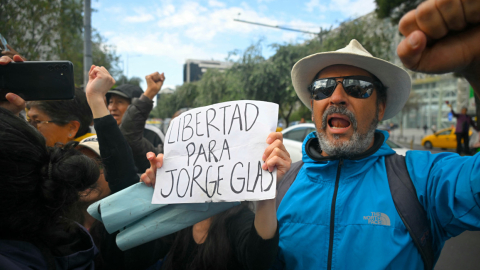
(396, 79)
(92, 146)
(116, 92)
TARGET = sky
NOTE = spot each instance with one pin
(160, 35)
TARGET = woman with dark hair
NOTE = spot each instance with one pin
(38, 186)
(61, 121)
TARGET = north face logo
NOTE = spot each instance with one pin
(378, 219)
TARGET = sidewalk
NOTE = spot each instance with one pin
(409, 134)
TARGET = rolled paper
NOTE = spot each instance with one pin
(124, 207)
(167, 220)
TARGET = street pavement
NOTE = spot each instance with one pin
(412, 137)
(461, 252)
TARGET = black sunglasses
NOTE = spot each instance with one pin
(355, 86)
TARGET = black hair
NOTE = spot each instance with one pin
(38, 184)
(64, 111)
(213, 254)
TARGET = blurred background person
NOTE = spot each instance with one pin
(462, 129)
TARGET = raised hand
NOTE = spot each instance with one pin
(100, 81)
(442, 36)
(154, 84)
(276, 155)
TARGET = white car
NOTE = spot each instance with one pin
(293, 139)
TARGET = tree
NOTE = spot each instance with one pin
(122, 79)
(52, 30)
(395, 9)
(254, 77)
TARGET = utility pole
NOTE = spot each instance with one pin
(276, 26)
(320, 34)
(87, 40)
(130, 56)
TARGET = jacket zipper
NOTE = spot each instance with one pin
(332, 215)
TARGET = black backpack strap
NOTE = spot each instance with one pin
(287, 181)
(409, 208)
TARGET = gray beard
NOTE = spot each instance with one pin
(357, 144)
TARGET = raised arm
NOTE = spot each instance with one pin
(134, 119)
(114, 150)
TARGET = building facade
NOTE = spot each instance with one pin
(194, 69)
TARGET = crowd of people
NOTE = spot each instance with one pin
(351, 203)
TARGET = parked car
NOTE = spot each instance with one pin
(444, 138)
(293, 139)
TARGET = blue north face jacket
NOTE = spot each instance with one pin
(339, 214)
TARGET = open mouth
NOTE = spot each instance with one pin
(336, 121)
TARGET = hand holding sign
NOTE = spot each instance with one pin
(214, 154)
(275, 156)
(150, 174)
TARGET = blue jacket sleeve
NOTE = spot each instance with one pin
(448, 187)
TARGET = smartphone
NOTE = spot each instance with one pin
(38, 80)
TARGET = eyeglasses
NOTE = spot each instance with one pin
(36, 122)
(355, 86)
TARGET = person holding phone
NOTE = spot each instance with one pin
(59, 121)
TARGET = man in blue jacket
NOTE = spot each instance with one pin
(339, 212)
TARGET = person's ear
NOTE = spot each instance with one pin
(381, 110)
(74, 126)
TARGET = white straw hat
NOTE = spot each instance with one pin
(395, 78)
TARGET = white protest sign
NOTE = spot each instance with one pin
(214, 154)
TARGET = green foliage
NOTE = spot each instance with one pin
(395, 9)
(184, 97)
(368, 30)
(52, 30)
(301, 112)
(122, 79)
(255, 78)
